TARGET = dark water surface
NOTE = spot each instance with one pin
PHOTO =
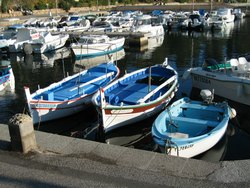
(183, 50)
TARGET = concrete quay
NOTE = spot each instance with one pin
(62, 161)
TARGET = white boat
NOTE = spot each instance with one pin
(188, 128)
(239, 14)
(219, 19)
(104, 26)
(7, 79)
(136, 96)
(143, 24)
(69, 95)
(8, 36)
(94, 45)
(194, 22)
(47, 42)
(24, 36)
(81, 26)
(230, 80)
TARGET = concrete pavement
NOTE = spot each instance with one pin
(70, 162)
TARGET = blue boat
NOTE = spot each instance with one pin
(188, 128)
(136, 96)
(69, 95)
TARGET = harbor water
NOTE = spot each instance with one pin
(182, 48)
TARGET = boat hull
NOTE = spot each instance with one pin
(43, 111)
(85, 50)
(50, 46)
(131, 98)
(188, 128)
(230, 87)
(70, 95)
(116, 118)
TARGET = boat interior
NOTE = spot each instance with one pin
(193, 120)
(137, 88)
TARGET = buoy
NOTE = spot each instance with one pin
(233, 113)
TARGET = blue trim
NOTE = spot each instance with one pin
(78, 57)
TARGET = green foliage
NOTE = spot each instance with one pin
(4, 7)
(65, 5)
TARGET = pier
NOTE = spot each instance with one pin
(71, 162)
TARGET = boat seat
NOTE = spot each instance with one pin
(200, 107)
(178, 135)
(195, 121)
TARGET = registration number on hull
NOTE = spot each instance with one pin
(202, 79)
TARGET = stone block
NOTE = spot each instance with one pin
(22, 134)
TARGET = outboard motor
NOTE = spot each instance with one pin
(207, 96)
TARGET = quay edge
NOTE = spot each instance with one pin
(78, 161)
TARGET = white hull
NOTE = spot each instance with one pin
(230, 87)
(196, 148)
(10, 82)
(120, 119)
(117, 115)
(51, 45)
(152, 31)
(42, 111)
(97, 49)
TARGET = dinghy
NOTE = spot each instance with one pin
(188, 128)
(69, 95)
(136, 96)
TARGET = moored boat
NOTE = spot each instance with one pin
(69, 95)
(94, 45)
(136, 96)
(188, 128)
(230, 79)
(7, 79)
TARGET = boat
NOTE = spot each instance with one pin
(229, 79)
(239, 14)
(136, 96)
(8, 36)
(219, 19)
(94, 45)
(46, 43)
(194, 22)
(70, 95)
(7, 80)
(144, 24)
(188, 128)
(24, 36)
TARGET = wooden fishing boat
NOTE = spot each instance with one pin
(69, 95)
(136, 96)
(188, 128)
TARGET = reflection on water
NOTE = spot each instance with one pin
(88, 62)
(183, 49)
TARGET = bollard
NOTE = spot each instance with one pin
(22, 133)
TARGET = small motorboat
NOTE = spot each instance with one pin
(95, 45)
(229, 79)
(188, 128)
